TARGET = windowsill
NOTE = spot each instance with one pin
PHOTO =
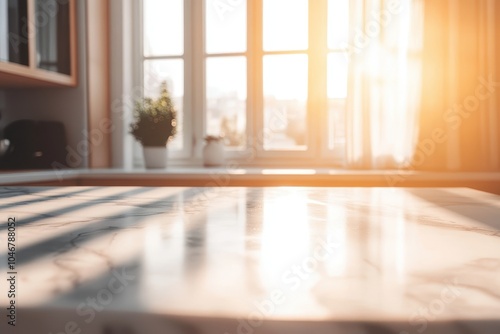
(200, 176)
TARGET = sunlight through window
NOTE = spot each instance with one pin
(278, 85)
(285, 25)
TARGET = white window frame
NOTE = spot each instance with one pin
(317, 154)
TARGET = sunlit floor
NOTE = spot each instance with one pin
(253, 260)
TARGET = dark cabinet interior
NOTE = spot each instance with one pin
(14, 46)
(53, 37)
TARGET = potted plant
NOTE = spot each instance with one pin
(213, 152)
(154, 125)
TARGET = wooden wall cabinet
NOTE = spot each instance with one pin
(38, 41)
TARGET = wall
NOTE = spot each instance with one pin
(100, 126)
(68, 105)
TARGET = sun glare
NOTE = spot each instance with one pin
(285, 25)
(285, 234)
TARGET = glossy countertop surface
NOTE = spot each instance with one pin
(253, 260)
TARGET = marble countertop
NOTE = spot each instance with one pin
(133, 260)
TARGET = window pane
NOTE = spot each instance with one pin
(285, 102)
(226, 26)
(338, 23)
(285, 25)
(171, 71)
(163, 27)
(337, 75)
(226, 99)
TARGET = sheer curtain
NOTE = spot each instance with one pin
(461, 86)
(384, 82)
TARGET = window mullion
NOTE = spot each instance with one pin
(195, 77)
(317, 87)
(255, 107)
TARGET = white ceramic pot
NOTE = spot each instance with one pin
(155, 156)
(213, 153)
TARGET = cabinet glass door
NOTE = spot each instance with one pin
(53, 36)
(14, 45)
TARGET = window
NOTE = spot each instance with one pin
(163, 54)
(261, 73)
